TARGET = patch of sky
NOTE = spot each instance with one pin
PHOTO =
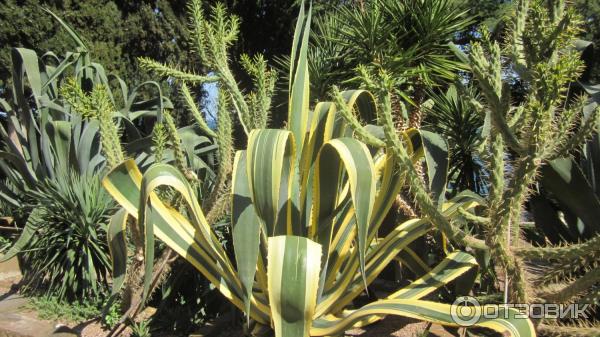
(211, 103)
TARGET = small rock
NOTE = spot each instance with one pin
(63, 331)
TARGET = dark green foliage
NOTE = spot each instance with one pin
(68, 254)
(566, 189)
(116, 32)
(406, 38)
(266, 27)
(186, 300)
(456, 119)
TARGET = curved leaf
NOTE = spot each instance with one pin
(433, 312)
(293, 281)
(270, 164)
(436, 158)
(336, 157)
(299, 88)
(117, 245)
(246, 227)
(564, 179)
(30, 228)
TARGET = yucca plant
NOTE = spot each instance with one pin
(66, 253)
(307, 203)
(453, 117)
(406, 38)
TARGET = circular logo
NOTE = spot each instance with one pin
(464, 311)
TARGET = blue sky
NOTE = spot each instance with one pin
(211, 103)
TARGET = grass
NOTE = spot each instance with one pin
(53, 309)
(140, 329)
(50, 308)
(4, 244)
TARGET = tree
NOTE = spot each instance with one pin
(115, 32)
(590, 10)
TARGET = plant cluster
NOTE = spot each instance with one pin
(53, 308)
(307, 202)
(293, 226)
(68, 254)
(52, 158)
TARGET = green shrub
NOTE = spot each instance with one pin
(67, 254)
(111, 314)
(53, 308)
(140, 329)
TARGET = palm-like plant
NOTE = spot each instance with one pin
(406, 38)
(66, 251)
(307, 203)
(456, 119)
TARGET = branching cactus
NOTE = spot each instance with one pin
(212, 39)
(519, 140)
(522, 139)
(306, 206)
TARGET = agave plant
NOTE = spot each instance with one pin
(38, 116)
(307, 203)
(53, 128)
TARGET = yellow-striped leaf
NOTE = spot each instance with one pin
(246, 228)
(193, 240)
(434, 312)
(299, 88)
(293, 275)
(270, 169)
(352, 157)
